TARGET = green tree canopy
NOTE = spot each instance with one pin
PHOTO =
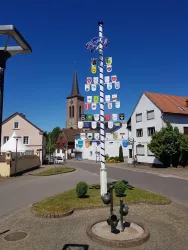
(51, 140)
(165, 145)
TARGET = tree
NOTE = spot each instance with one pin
(55, 133)
(121, 158)
(165, 145)
(184, 150)
(51, 140)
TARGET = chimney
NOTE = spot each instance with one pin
(21, 114)
(187, 103)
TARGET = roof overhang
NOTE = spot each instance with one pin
(11, 31)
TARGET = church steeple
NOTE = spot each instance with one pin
(75, 88)
(75, 104)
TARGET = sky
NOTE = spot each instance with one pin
(148, 44)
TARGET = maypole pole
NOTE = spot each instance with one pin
(103, 173)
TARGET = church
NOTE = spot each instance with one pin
(74, 108)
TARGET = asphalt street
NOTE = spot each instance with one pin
(18, 192)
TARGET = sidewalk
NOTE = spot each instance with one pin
(179, 172)
(167, 225)
(165, 172)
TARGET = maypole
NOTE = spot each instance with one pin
(103, 173)
(99, 43)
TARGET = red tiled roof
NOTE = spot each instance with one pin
(169, 103)
(67, 136)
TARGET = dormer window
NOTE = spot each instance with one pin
(16, 125)
(182, 108)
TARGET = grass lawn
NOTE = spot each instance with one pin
(62, 203)
(52, 171)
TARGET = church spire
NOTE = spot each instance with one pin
(75, 88)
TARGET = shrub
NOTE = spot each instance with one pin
(119, 188)
(184, 150)
(81, 189)
(121, 154)
(106, 156)
(165, 145)
(117, 158)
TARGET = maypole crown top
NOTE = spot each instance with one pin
(100, 23)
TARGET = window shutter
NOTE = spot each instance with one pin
(140, 150)
(150, 115)
(139, 117)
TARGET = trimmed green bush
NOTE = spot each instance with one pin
(119, 188)
(116, 158)
(121, 158)
(81, 189)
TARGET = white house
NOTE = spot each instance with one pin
(89, 148)
(150, 115)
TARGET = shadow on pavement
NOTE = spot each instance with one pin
(75, 247)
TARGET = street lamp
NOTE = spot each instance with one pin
(6, 51)
(16, 137)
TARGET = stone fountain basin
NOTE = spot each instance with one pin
(134, 234)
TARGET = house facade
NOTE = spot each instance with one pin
(66, 142)
(150, 115)
(87, 145)
(31, 136)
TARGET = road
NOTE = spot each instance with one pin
(174, 188)
(18, 192)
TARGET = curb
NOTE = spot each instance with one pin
(119, 243)
(74, 169)
(94, 207)
(60, 215)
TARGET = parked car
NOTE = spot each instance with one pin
(59, 160)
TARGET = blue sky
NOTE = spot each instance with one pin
(149, 46)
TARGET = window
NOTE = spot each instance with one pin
(149, 152)
(5, 139)
(26, 140)
(138, 117)
(80, 111)
(140, 150)
(16, 125)
(139, 132)
(150, 115)
(151, 131)
(185, 130)
(72, 111)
